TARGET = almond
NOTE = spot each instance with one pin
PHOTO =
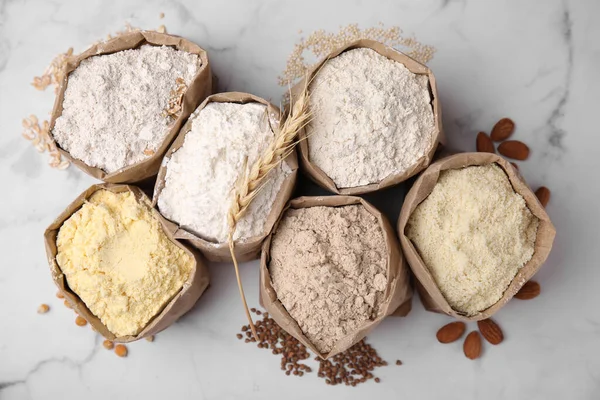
(529, 291)
(514, 149)
(490, 331)
(543, 195)
(472, 345)
(484, 144)
(503, 129)
(451, 332)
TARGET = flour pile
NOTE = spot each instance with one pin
(225, 139)
(372, 118)
(474, 233)
(329, 269)
(114, 105)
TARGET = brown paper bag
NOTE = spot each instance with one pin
(248, 248)
(317, 174)
(181, 303)
(398, 295)
(430, 294)
(198, 90)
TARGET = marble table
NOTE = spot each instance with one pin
(536, 62)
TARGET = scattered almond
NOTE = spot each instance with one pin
(80, 321)
(484, 144)
(503, 130)
(398, 362)
(121, 350)
(490, 331)
(60, 295)
(43, 309)
(529, 291)
(514, 149)
(543, 195)
(451, 332)
(108, 345)
(472, 345)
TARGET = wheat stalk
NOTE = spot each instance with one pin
(254, 179)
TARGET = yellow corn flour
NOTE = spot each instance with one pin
(119, 261)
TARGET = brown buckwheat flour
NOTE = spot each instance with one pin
(329, 269)
(474, 233)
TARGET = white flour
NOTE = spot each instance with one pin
(224, 139)
(113, 105)
(372, 118)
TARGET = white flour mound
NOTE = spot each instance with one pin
(372, 118)
(113, 105)
(225, 139)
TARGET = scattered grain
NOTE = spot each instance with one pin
(150, 338)
(39, 135)
(60, 295)
(108, 345)
(121, 350)
(321, 43)
(353, 366)
(272, 337)
(43, 309)
(80, 321)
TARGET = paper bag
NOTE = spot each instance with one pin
(430, 294)
(317, 174)
(398, 294)
(181, 303)
(247, 248)
(198, 90)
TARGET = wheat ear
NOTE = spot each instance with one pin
(254, 179)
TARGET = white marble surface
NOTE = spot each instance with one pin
(537, 62)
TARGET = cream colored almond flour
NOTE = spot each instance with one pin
(118, 260)
(474, 233)
(329, 269)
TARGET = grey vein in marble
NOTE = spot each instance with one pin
(557, 134)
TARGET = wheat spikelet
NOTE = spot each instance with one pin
(253, 180)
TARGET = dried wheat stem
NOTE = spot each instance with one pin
(254, 179)
(239, 282)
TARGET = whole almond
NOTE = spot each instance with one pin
(484, 144)
(514, 149)
(490, 331)
(529, 291)
(543, 195)
(451, 332)
(472, 345)
(503, 129)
